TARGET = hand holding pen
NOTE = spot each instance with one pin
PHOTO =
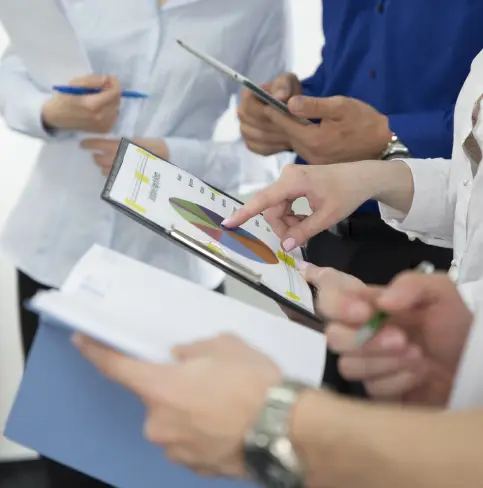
(424, 326)
(377, 321)
(96, 112)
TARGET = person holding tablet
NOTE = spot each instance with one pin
(131, 45)
(435, 200)
(379, 97)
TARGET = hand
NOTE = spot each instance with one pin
(350, 130)
(201, 407)
(415, 356)
(105, 150)
(327, 282)
(333, 192)
(88, 113)
(261, 135)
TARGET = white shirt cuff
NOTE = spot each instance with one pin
(25, 115)
(427, 218)
(472, 294)
(468, 386)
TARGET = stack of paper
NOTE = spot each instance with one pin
(67, 411)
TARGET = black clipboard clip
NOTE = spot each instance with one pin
(220, 259)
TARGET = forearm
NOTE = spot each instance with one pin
(344, 444)
(388, 182)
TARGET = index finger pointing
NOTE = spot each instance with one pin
(270, 197)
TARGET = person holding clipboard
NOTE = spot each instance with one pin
(252, 422)
(147, 88)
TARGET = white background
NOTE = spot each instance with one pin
(17, 154)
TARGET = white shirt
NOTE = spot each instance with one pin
(468, 386)
(447, 210)
(60, 214)
(448, 197)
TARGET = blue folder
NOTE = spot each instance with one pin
(68, 412)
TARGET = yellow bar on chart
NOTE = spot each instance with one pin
(293, 296)
(142, 178)
(215, 192)
(285, 258)
(134, 206)
(145, 153)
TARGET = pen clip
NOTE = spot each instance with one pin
(224, 261)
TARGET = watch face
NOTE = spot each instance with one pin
(267, 470)
(398, 155)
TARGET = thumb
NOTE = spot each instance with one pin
(411, 289)
(285, 86)
(91, 81)
(303, 230)
(195, 350)
(341, 297)
(317, 108)
(311, 274)
(137, 376)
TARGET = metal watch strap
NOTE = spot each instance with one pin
(395, 149)
(269, 454)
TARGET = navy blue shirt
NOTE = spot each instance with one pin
(407, 58)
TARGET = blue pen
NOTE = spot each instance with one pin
(78, 90)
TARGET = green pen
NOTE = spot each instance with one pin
(377, 321)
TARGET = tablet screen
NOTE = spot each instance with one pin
(174, 199)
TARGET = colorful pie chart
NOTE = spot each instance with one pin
(237, 240)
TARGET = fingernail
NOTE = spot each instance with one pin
(289, 244)
(414, 354)
(388, 297)
(297, 103)
(357, 310)
(227, 222)
(392, 341)
(77, 340)
(280, 94)
(301, 265)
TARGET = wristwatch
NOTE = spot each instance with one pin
(269, 454)
(395, 149)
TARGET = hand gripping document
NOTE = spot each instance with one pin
(68, 412)
(189, 212)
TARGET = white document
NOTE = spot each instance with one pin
(172, 198)
(45, 40)
(145, 312)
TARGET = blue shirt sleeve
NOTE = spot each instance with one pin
(314, 85)
(426, 134)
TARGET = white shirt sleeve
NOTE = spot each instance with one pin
(468, 386)
(472, 294)
(231, 166)
(431, 217)
(21, 99)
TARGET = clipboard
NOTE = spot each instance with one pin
(234, 269)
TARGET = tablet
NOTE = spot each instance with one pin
(186, 210)
(262, 94)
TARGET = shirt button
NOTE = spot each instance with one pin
(454, 263)
(372, 74)
(466, 182)
(380, 8)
